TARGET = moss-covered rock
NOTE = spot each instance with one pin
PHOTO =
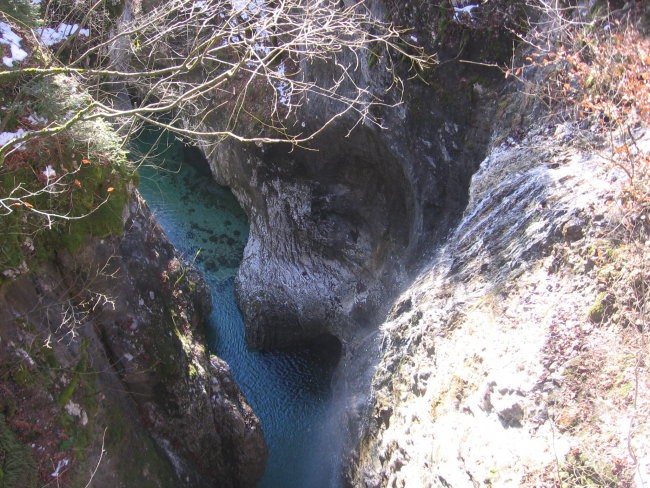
(111, 364)
(59, 189)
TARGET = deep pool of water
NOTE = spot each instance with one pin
(289, 392)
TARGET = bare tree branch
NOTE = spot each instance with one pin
(210, 70)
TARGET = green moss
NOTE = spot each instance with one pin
(68, 391)
(116, 429)
(95, 180)
(164, 348)
(80, 369)
(134, 463)
(17, 466)
(23, 376)
(602, 308)
(84, 388)
(47, 356)
(192, 371)
(79, 436)
(597, 311)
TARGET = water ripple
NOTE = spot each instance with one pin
(290, 393)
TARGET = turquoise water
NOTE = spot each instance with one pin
(289, 392)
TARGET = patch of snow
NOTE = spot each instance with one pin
(36, 119)
(176, 461)
(459, 12)
(252, 6)
(73, 409)
(23, 354)
(5, 137)
(13, 40)
(28, 244)
(15, 272)
(50, 36)
(201, 5)
(59, 467)
(282, 87)
(262, 48)
(49, 172)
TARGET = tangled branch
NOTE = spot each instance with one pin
(235, 68)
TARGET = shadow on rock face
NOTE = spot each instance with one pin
(322, 250)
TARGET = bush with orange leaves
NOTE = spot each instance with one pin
(593, 66)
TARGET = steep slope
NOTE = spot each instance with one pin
(519, 355)
(484, 356)
(337, 228)
(105, 373)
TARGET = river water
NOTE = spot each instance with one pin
(289, 392)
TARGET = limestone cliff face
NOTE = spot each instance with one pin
(122, 322)
(478, 381)
(326, 231)
(336, 231)
(457, 396)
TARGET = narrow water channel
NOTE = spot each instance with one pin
(289, 392)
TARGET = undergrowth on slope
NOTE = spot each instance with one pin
(578, 471)
(59, 188)
(21, 11)
(588, 65)
(17, 467)
(592, 66)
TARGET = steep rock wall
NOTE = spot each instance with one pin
(138, 393)
(337, 229)
(478, 352)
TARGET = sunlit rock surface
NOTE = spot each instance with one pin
(476, 352)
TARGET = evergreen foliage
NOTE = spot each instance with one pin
(17, 467)
(22, 11)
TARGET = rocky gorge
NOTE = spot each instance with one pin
(113, 336)
(463, 260)
(475, 195)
